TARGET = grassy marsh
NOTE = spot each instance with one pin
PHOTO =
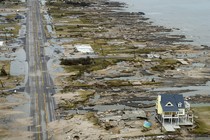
(203, 120)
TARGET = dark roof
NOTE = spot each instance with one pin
(174, 99)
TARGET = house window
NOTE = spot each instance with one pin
(169, 104)
(181, 112)
(179, 104)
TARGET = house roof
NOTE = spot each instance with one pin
(84, 48)
(172, 102)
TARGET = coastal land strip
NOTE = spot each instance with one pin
(110, 92)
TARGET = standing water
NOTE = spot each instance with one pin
(190, 16)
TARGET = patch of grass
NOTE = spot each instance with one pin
(169, 61)
(86, 20)
(11, 4)
(14, 31)
(79, 61)
(149, 50)
(10, 17)
(96, 64)
(85, 95)
(165, 64)
(151, 83)
(91, 117)
(3, 94)
(118, 83)
(6, 65)
(10, 82)
(57, 12)
(67, 105)
(56, 4)
(203, 120)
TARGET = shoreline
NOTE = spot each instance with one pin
(132, 58)
(182, 19)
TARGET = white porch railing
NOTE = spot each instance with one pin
(170, 116)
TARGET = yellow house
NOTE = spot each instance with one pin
(172, 110)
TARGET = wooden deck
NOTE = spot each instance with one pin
(169, 128)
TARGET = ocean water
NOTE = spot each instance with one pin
(192, 17)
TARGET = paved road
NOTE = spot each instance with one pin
(39, 84)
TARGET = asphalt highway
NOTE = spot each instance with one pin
(39, 85)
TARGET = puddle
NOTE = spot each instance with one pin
(49, 24)
(49, 29)
(144, 102)
(22, 99)
(198, 65)
(99, 108)
(2, 34)
(18, 68)
(54, 51)
(43, 2)
(102, 108)
(22, 31)
(51, 65)
(16, 43)
(190, 90)
(5, 56)
(23, 107)
(19, 64)
(95, 98)
(190, 55)
(47, 18)
(4, 14)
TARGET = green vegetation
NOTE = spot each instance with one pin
(67, 104)
(80, 61)
(3, 72)
(7, 81)
(10, 17)
(63, 13)
(91, 117)
(203, 120)
(10, 30)
(118, 83)
(12, 4)
(85, 94)
(151, 83)
(149, 50)
(5, 65)
(79, 66)
(165, 64)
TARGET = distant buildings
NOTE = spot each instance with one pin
(173, 111)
